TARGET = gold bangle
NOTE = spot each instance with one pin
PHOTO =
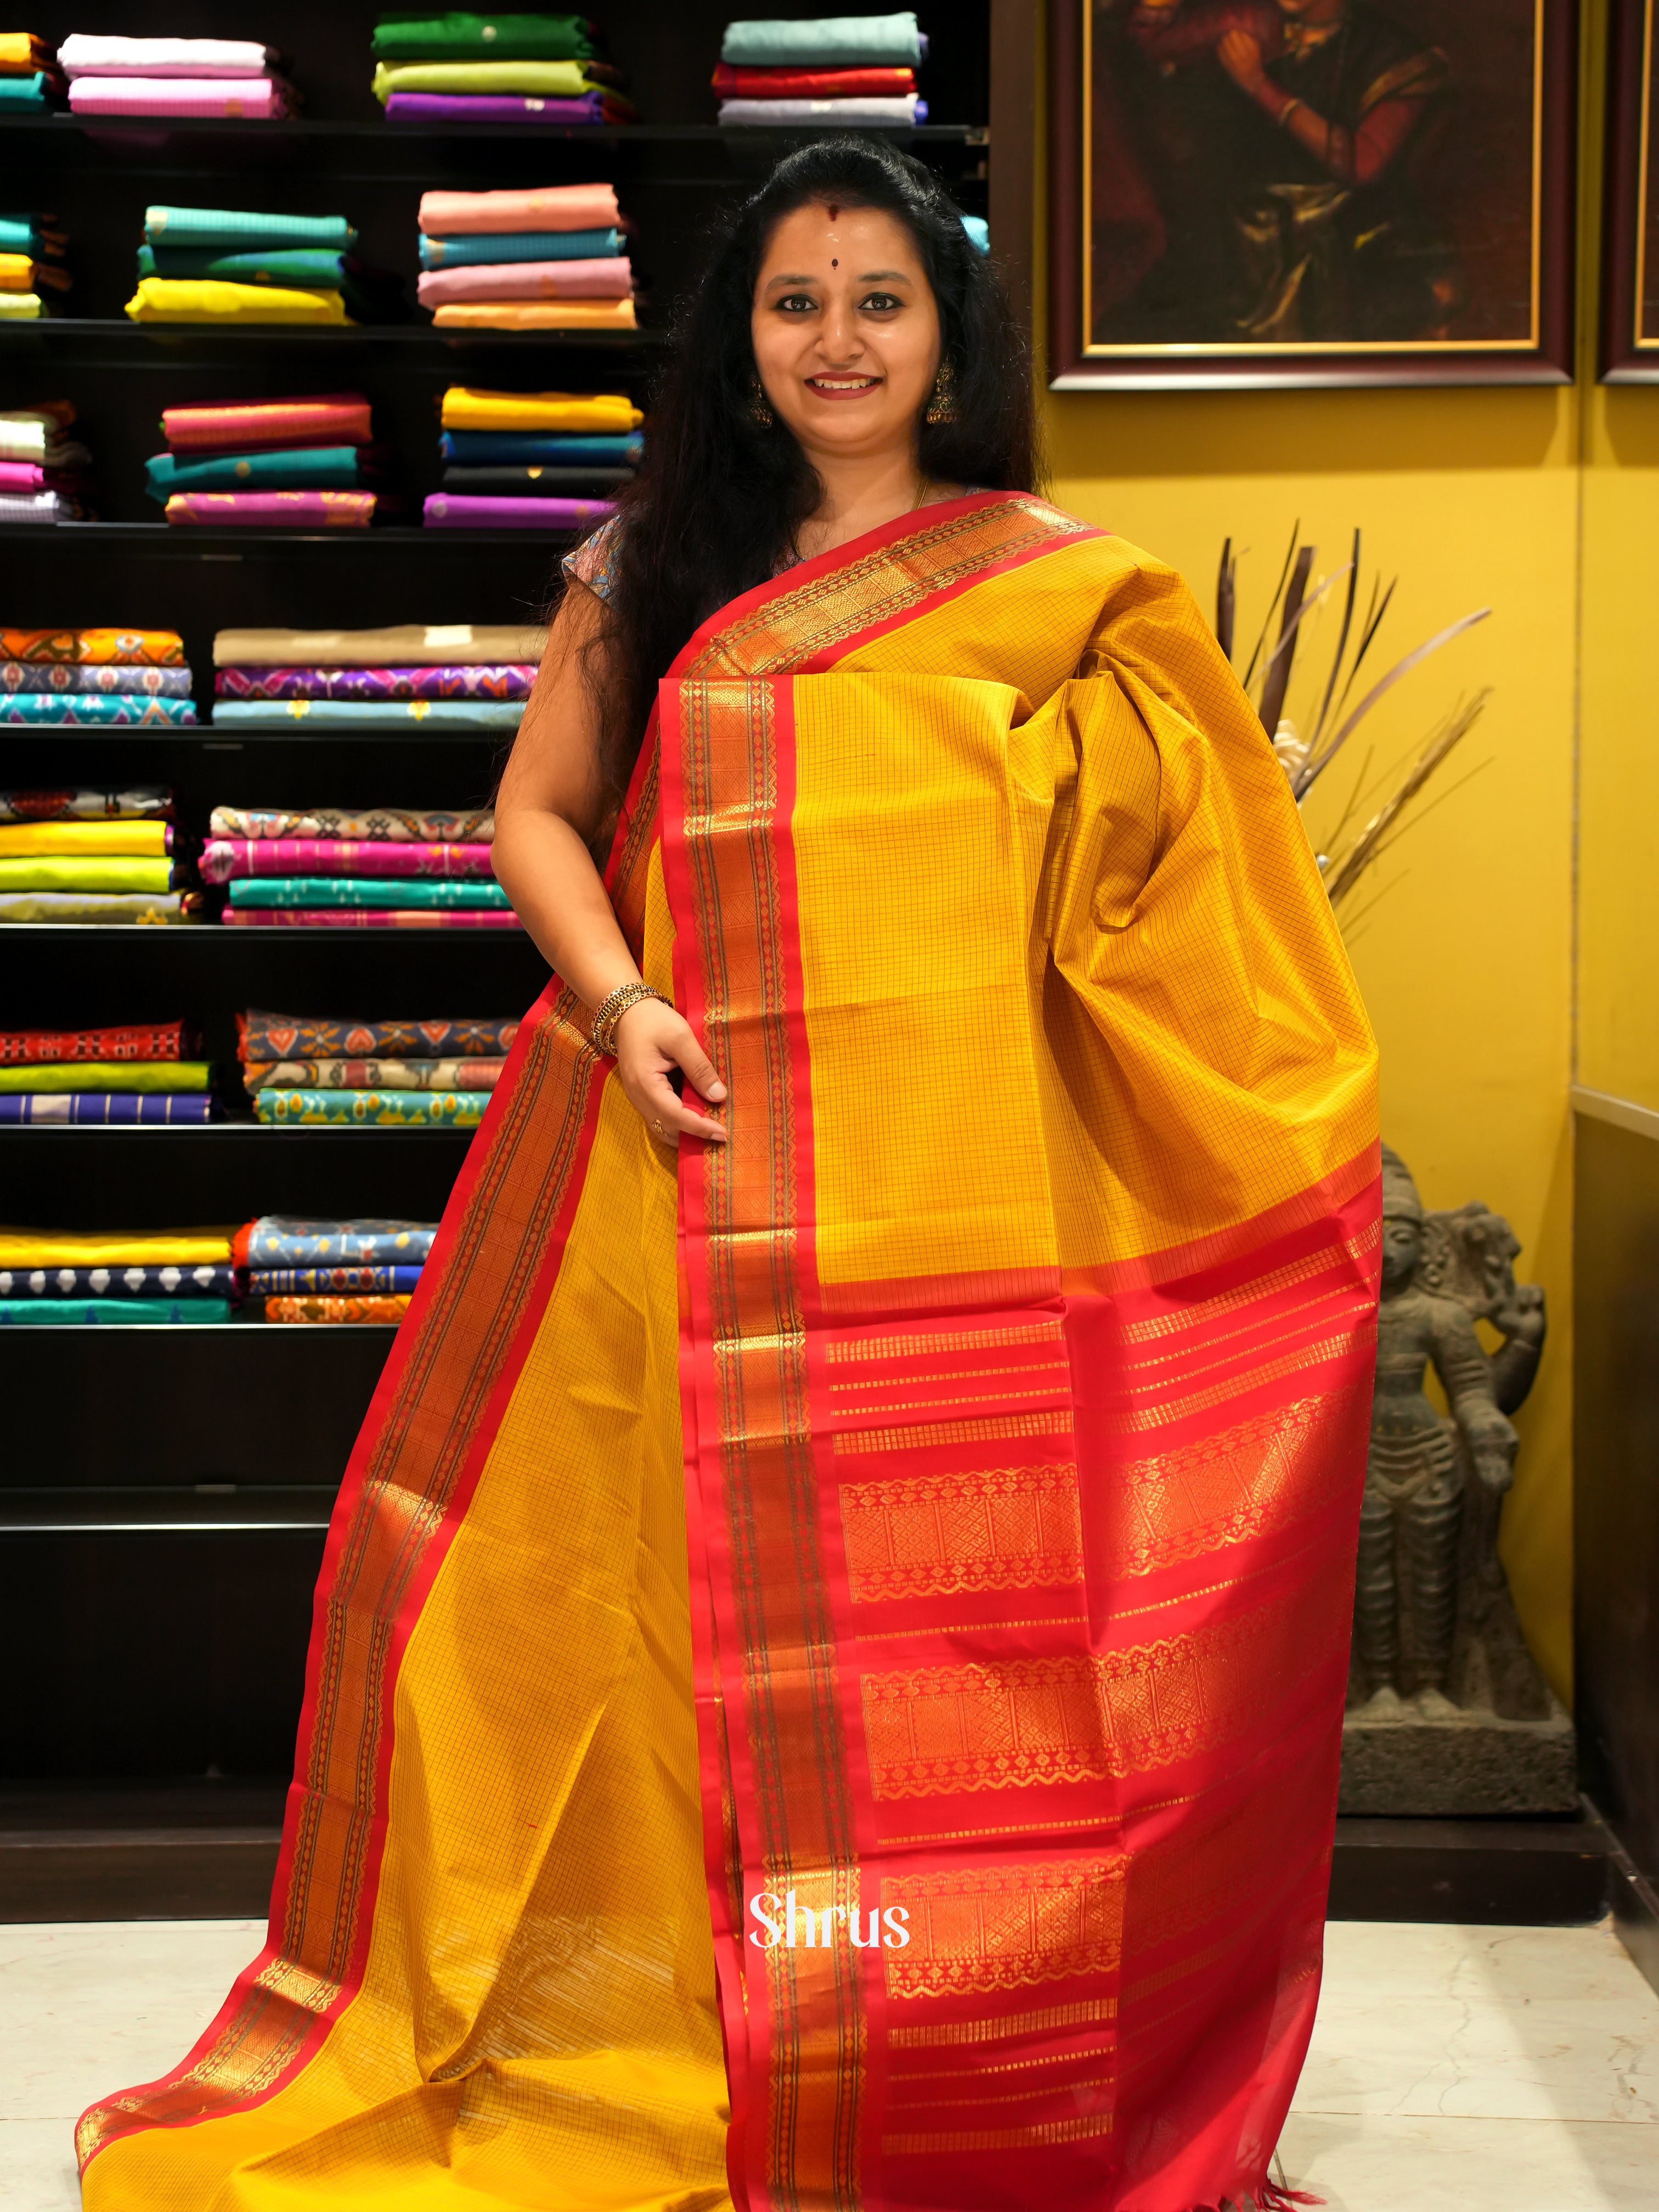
(1288, 111)
(602, 1033)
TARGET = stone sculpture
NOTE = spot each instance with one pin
(1448, 1712)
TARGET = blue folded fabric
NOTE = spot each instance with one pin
(353, 1279)
(825, 42)
(286, 1240)
(345, 714)
(519, 245)
(237, 230)
(549, 448)
(23, 91)
(305, 468)
(124, 1107)
(297, 266)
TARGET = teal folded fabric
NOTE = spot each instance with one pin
(823, 42)
(82, 710)
(20, 235)
(120, 1313)
(347, 714)
(497, 247)
(23, 91)
(317, 468)
(238, 230)
(366, 890)
(384, 1109)
(300, 266)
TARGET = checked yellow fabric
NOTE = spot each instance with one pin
(977, 806)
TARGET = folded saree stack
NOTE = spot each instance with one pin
(570, 434)
(115, 1278)
(30, 79)
(95, 678)
(236, 265)
(332, 1270)
(31, 266)
(854, 70)
(42, 468)
(304, 462)
(235, 78)
(91, 856)
(460, 675)
(140, 1071)
(393, 866)
(461, 68)
(550, 259)
(370, 1074)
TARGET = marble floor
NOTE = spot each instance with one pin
(1453, 2070)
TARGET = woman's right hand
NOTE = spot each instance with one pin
(650, 1039)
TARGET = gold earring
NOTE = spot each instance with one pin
(942, 405)
(759, 413)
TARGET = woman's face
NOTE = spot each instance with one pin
(845, 329)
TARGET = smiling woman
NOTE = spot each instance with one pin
(877, 1448)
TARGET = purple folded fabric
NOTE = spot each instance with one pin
(610, 276)
(448, 510)
(372, 917)
(338, 510)
(224, 859)
(492, 108)
(505, 680)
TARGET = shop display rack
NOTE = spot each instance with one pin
(165, 1490)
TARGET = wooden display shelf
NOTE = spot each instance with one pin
(190, 541)
(201, 1509)
(61, 335)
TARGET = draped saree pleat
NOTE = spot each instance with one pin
(923, 1527)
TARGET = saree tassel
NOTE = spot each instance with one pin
(1272, 2198)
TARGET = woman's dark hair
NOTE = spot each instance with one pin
(720, 497)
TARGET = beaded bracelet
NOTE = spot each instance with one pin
(610, 1010)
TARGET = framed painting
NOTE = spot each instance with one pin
(1630, 224)
(1307, 192)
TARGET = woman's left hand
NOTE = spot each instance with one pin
(1240, 55)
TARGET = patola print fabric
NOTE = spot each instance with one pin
(145, 803)
(513, 682)
(158, 648)
(398, 825)
(282, 1240)
(294, 1036)
(154, 1041)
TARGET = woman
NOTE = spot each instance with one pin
(829, 1656)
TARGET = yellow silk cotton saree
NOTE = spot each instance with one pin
(828, 1663)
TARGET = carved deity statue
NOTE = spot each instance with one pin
(1429, 1580)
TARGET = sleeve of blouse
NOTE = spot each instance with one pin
(591, 563)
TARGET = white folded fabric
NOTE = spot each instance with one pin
(820, 110)
(86, 54)
(28, 436)
(37, 506)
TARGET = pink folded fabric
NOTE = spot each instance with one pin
(225, 858)
(552, 207)
(21, 476)
(249, 426)
(610, 276)
(448, 510)
(335, 510)
(257, 98)
(371, 917)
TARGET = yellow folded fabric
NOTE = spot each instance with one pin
(21, 53)
(562, 80)
(21, 307)
(44, 873)
(84, 839)
(205, 300)
(108, 1075)
(105, 1248)
(537, 315)
(16, 273)
(466, 409)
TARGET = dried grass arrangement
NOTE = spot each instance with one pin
(1383, 802)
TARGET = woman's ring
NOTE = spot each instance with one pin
(662, 1133)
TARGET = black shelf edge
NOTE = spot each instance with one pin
(243, 1329)
(73, 932)
(330, 1131)
(381, 129)
(104, 330)
(192, 541)
(203, 1509)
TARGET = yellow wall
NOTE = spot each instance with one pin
(1478, 497)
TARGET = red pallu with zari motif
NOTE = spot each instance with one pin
(1014, 1354)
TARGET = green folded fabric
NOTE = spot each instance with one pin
(108, 1075)
(297, 265)
(363, 890)
(121, 1313)
(554, 80)
(42, 874)
(460, 37)
(823, 42)
(303, 468)
(379, 1110)
(237, 230)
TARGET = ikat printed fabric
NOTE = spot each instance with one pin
(409, 825)
(379, 1281)
(382, 1109)
(285, 1241)
(269, 1036)
(151, 1041)
(207, 1282)
(510, 682)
